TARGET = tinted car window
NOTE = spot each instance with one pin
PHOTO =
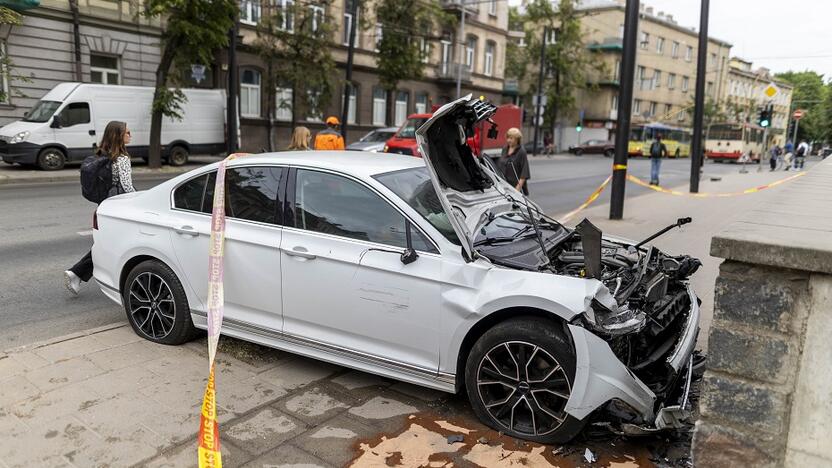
(339, 206)
(75, 113)
(251, 193)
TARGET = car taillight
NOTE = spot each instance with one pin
(386, 148)
(95, 219)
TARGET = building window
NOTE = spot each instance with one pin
(712, 60)
(379, 106)
(379, 34)
(4, 77)
(615, 102)
(667, 109)
(424, 49)
(314, 112)
(671, 81)
(621, 30)
(617, 71)
(657, 79)
(492, 8)
(685, 84)
(674, 50)
(490, 46)
(683, 115)
(689, 54)
(660, 45)
(421, 104)
(317, 17)
(250, 11)
(103, 69)
(644, 42)
(637, 107)
(250, 93)
(709, 87)
(644, 83)
(653, 106)
(470, 52)
(285, 9)
(445, 64)
(283, 104)
(401, 107)
(348, 22)
(552, 36)
(352, 102)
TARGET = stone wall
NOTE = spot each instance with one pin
(767, 392)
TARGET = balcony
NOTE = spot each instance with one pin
(609, 44)
(447, 72)
(456, 6)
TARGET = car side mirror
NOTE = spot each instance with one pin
(56, 122)
(409, 255)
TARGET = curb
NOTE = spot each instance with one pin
(61, 339)
(74, 177)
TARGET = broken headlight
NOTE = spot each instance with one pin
(615, 320)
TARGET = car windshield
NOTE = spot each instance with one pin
(415, 188)
(409, 128)
(42, 111)
(377, 136)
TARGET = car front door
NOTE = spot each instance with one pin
(344, 283)
(76, 130)
(253, 233)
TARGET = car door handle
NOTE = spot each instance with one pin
(92, 132)
(186, 231)
(300, 252)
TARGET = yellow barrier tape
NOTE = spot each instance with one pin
(657, 188)
(208, 452)
(592, 198)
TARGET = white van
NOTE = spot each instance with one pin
(66, 123)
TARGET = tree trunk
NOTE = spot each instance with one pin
(155, 150)
(391, 108)
(294, 106)
(271, 105)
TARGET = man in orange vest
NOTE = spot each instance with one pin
(329, 138)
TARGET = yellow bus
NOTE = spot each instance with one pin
(676, 139)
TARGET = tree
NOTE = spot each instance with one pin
(517, 60)
(295, 42)
(194, 30)
(12, 18)
(405, 25)
(810, 93)
(568, 63)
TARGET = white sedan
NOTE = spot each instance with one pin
(434, 272)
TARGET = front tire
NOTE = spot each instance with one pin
(510, 396)
(178, 156)
(579, 152)
(156, 304)
(51, 159)
(609, 153)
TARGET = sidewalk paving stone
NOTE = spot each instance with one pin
(422, 393)
(334, 440)
(10, 367)
(313, 405)
(29, 359)
(18, 388)
(129, 354)
(184, 456)
(263, 430)
(297, 372)
(117, 336)
(63, 373)
(64, 401)
(244, 395)
(355, 379)
(70, 348)
(287, 456)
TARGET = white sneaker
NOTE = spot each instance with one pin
(72, 282)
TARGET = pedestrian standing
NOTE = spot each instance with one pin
(113, 146)
(513, 163)
(329, 138)
(774, 153)
(301, 137)
(800, 154)
(657, 151)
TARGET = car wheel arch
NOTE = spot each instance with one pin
(493, 319)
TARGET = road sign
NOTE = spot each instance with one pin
(770, 91)
(798, 114)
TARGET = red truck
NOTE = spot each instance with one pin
(404, 141)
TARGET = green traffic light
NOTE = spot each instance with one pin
(578, 129)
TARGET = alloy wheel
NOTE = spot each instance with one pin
(523, 388)
(151, 305)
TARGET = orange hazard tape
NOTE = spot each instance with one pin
(657, 188)
(208, 451)
(592, 198)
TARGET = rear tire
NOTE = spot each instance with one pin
(521, 402)
(678, 153)
(579, 152)
(609, 153)
(156, 304)
(51, 159)
(178, 156)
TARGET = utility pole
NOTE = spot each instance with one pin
(464, 45)
(625, 104)
(231, 105)
(538, 108)
(348, 84)
(699, 99)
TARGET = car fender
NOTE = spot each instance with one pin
(145, 251)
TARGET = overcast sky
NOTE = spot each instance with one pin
(777, 34)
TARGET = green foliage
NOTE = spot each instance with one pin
(810, 94)
(517, 60)
(168, 102)
(403, 24)
(299, 56)
(13, 18)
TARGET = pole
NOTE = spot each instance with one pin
(699, 100)
(538, 109)
(625, 104)
(794, 138)
(459, 65)
(76, 38)
(231, 106)
(348, 84)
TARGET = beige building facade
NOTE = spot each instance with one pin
(745, 94)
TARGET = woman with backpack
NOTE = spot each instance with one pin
(113, 146)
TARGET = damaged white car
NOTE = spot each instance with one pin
(434, 272)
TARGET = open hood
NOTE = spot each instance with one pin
(469, 190)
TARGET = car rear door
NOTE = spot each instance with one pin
(344, 284)
(252, 240)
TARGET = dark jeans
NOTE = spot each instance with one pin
(798, 162)
(83, 269)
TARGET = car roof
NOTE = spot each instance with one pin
(360, 164)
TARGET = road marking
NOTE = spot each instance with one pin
(86, 233)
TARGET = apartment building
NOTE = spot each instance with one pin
(115, 46)
(481, 55)
(745, 93)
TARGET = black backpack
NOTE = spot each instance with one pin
(96, 178)
(801, 150)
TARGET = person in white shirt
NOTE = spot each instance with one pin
(800, 154)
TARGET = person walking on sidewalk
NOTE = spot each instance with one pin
(774, 153)
(301, 137)
(113, 145)
(513, 163)
(800, 154)
(657, 151)
(329, 138)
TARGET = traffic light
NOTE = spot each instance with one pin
(579, 126)
(765, 116)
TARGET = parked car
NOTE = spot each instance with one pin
(373, 141)
(70, 119)
(404, 141)
(605, 147)
(433, 271)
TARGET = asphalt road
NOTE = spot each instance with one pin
(45, 229)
